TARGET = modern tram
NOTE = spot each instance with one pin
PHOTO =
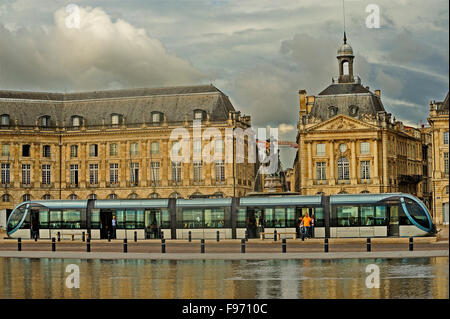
(345, 215)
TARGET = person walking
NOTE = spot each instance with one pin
(114, 226)
(312, 225)
(299, 223)
(307, 225)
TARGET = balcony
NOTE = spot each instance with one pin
(343, 181)
(25, 185)
(365, 181)
(112, 184)
(320, 182)
(72, 185)
(175, 183)
(46, 185)
(93, 185)
(133, 184)
(409, 179)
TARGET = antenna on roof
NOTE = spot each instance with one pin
(343, 14)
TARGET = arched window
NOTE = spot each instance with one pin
(44, 121)
(73, 197)
(332, 110)
(343, 169)
(92, 196)
(77, 121)
(115, 119)
(199, 114)
(365, 192)
(353, 110)
(196, 195)
(342, 192)
(133, 196)
(154, 195)
(218, 195)
(175, 195)
(5, 119)
(6, 198)
(26, 197)
(112, 196)
(157, 117)
(345, 68)
(46, 197)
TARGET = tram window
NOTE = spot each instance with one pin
(165, 218)
(268, 217)
(380, 216)
(347, 216)
(416, 212)
(43, 219)
(139, 219)
(319, 221)
(192, 218)
(71, 219)
(130, 219)
(280, 217)
(215, 218)
(55, 219)
(367, 216)
(290, 217)
(240, 221)
(120, 217)
(95, 218)
(26, 222)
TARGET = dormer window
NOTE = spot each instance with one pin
(157, 117)
(353, 110)
(115, 119)
(44, 121)
(333, 110)
(5, 119)
(76, 121)
(199, 115)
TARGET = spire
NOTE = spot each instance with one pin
(345, 38)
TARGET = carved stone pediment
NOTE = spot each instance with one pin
(341, 123)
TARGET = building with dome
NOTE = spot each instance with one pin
(349, 143)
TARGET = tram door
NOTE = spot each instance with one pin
(152, 223)
(34, 227)
(105, 224)
(255, 222)
(393, 221)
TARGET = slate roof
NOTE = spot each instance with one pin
(443, 107)
(135, 105)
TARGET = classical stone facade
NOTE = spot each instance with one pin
(348, 143)
(116, 144)
(439, 122)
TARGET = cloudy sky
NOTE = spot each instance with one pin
(258, 52)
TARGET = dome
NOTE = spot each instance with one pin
(345, 49)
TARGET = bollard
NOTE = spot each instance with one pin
(243, 245)
(19, 244)
(369, 244)
(35, 236)
(246, 235)
(59, 236)
(283, 245)
(326, 245)
(190, 236)
(275, 235)
(163, 246)
(109, 237)
(218, 235)
(162, 235)
(202, 246)
(411, 244)
(135, 236)
(83, 237)
(125, 245)
(88, 244)
(53, 244)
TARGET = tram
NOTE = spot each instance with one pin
(345, 215)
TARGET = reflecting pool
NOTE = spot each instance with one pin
(342, 278)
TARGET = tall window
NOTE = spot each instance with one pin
(446, 163)
(26, 197)
(47, 197)
(76, 121)
(26, 174)
(115, 119)
(5, 119)
(74, 151)
(134, 173)
(74, 174)
(5, 150)
(197, 146)
(156, 117)
(446, 137)
(45, 121)
(134, 150)
(176, 171)
(5, 173)
(113, 149)
(6, 198)
(197, 171)
(365, 169)
(154, 174)
(114, 173)
(93, 196)
(46, 174)
(93, 150)
(320, 149)
(154, 148)
(220, 171)
(73, 197)
(321, 171)
(112, 196)
(365, 148)
(26, 150)
(93, 174)
(343, 169)
(218, 147)
(46, 151)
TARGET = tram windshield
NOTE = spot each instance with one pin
(16, 217)
(417, 213)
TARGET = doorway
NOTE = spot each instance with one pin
(34, 223)
(105, 224)
(254, 222)
(152, 223)
(393, 221)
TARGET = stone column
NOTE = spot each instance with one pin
(385, 162)
(301, 164)
(310, 163)
(353, 177)
(375, 161)
(332, 176)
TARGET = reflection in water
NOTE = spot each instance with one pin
(164, 279)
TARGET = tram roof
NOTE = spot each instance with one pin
(204, 202)
(58, 204)
(361, 198)
(282, 200)
(131, 203)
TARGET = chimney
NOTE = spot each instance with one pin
(378, 93)
(302, 97)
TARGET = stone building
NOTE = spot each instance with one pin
(439, 122)
(115, 144)
(348, 143)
